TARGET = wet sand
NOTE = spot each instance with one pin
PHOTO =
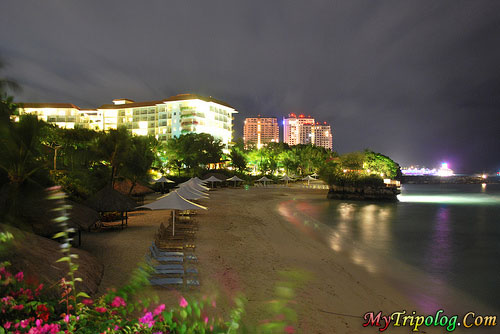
(245, 239)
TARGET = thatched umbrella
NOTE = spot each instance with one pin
(173, 201)
(110, 200)
(235, 179)
(163, 180)
(189, 193)
(193, 183)
(192, 188)
(286, 178)
(196, 184)
(213, 179)
(308, 178)
(264, 179)
(199, 181)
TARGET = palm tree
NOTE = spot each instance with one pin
(6, 84)
(114, 147)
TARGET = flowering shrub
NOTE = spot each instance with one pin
(24, 308)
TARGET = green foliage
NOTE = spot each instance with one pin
(113, 149)
(283, 316)
(380, 163)
(194, 151)
(238, 160)
(138, 160)
(359, 169)
(298, 159)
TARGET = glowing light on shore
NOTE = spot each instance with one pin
(450, 199)
(444, 170)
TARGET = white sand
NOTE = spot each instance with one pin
(242, 243)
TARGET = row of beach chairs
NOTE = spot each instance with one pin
(315, 186)
(172, 257)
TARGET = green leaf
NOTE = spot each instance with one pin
(65, 259)
(82, 294)
(59, 235)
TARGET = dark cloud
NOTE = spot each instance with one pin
(418, 80)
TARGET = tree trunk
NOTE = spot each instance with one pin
(132, 187)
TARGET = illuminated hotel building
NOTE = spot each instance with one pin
(260, 131)
(164, 119)
(298, 130)
(323, 135)
(303, 130)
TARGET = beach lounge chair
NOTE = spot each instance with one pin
(178, 272)
(176, 259)
(163, 244)
(159, 252)
(174, 281)
(159, 267)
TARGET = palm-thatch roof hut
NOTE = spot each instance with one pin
(138, 189)
(110, 200)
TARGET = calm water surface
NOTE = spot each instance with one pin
(446, 237)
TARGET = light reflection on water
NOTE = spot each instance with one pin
(449, 233)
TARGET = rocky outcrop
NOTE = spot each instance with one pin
(366, 193)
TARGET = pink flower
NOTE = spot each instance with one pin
(183, 302)
(117, 327)
(289, 330)
(147, 319)
(159, 309)
(87, 302)
(118, 301)
(66, 318)
(25, 323)
(37, 290)
(8, 323)
(101, 309)
(19, 276)
(206, 320)
(18, 307)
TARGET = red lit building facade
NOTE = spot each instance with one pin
(259, 131)
(304, 130)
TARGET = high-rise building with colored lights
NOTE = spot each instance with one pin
(298, 129)
(323, 135)
(304, 130)
(164, 119)
(259, 131)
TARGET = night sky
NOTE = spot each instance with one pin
(416, 80)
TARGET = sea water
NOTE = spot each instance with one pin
(449, 235)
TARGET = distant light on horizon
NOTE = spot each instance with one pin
(444, 171)
(451, 199)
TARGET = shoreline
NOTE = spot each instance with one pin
(243, 241)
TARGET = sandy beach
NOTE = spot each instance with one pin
(244, 240)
